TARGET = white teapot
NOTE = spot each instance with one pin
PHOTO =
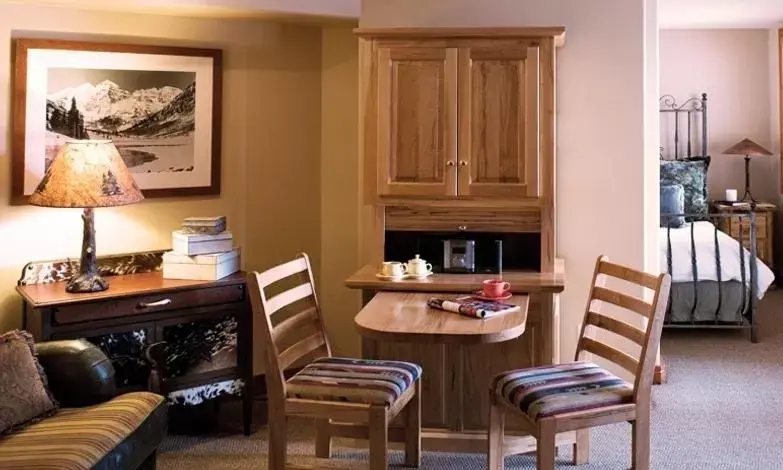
(418, 267)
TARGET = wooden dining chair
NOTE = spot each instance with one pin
(578, 395)
(347, 397)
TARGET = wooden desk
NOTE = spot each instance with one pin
(459, 355)
(204, 330)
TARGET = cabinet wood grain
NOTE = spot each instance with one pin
(430, 218)
(498, 120)
(416, 115)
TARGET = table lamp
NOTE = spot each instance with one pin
(87, 174)
(748, 148)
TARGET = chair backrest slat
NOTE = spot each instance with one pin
(653, 313)
(622, 300)
(272, 275)
(291, 325)
(308, 320)
(609, 353)
(301, 349)
(631, 275)
(288, 297)
(616, 326)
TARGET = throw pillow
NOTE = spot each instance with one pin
(672, 202)
(691, 173)
(24, 396)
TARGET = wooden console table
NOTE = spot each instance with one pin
(203, 330)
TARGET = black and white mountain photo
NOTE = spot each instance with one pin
(149, 115)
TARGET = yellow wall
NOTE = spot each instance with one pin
(340, 183)
(271, 144)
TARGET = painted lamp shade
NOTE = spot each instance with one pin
(87, 173)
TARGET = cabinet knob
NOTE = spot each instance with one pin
(449, 163)
(462, 228)
(463, 163)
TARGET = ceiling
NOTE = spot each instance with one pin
(673, 14)
(682, 14)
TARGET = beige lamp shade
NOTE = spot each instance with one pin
(87, 173)
(747, 147)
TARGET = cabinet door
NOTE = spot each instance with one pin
(416, 121)
(498, 120)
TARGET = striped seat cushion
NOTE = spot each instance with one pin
(77, 438)
(550, 390)
(353, 380)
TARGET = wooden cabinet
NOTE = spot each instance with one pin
(416, 117)
(468, 115)
(498, 120)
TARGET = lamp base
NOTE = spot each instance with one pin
(87, 283)
(89, 278)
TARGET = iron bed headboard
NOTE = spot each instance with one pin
(694, 112)
(693, 107)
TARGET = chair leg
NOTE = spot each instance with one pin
(379, 437)
(545, 447)
(640, 429)
(497, 424)
(323, 439)
(582, 447)
(413, 429)
(277, 438)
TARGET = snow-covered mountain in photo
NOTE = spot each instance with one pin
(175, 119)
(107, 106)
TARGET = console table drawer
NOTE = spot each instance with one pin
(146, 304)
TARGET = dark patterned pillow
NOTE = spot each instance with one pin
(24, 395)
(691, 173)
(672, 202)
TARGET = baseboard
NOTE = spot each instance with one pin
(660, 374)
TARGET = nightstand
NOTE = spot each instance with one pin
(765, 231)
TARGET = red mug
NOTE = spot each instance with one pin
(496, 287)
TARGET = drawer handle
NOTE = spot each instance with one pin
(462, 228)
(158, 303)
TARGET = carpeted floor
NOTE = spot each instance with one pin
(722, 408)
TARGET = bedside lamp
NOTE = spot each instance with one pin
(87, 174)
(748, 148)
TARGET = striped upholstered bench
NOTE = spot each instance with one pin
(353, 380)
(549, 390)
(85, 438)
(93, 429)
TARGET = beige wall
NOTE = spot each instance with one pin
(730, 65)
(271, 145)
(775, 85)
(340, 183)
(601, 141)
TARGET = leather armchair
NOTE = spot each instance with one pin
(81, 378)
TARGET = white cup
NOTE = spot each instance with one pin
(392, 269)
(731, 195)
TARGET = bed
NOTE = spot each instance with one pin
(716, 282)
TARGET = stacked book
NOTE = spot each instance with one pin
(202, 250)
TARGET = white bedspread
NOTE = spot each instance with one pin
(704, 236)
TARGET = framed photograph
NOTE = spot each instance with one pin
(161, 106)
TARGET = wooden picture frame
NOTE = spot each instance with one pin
(144, 98)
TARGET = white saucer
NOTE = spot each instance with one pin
(418, 276)
(389, 278)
